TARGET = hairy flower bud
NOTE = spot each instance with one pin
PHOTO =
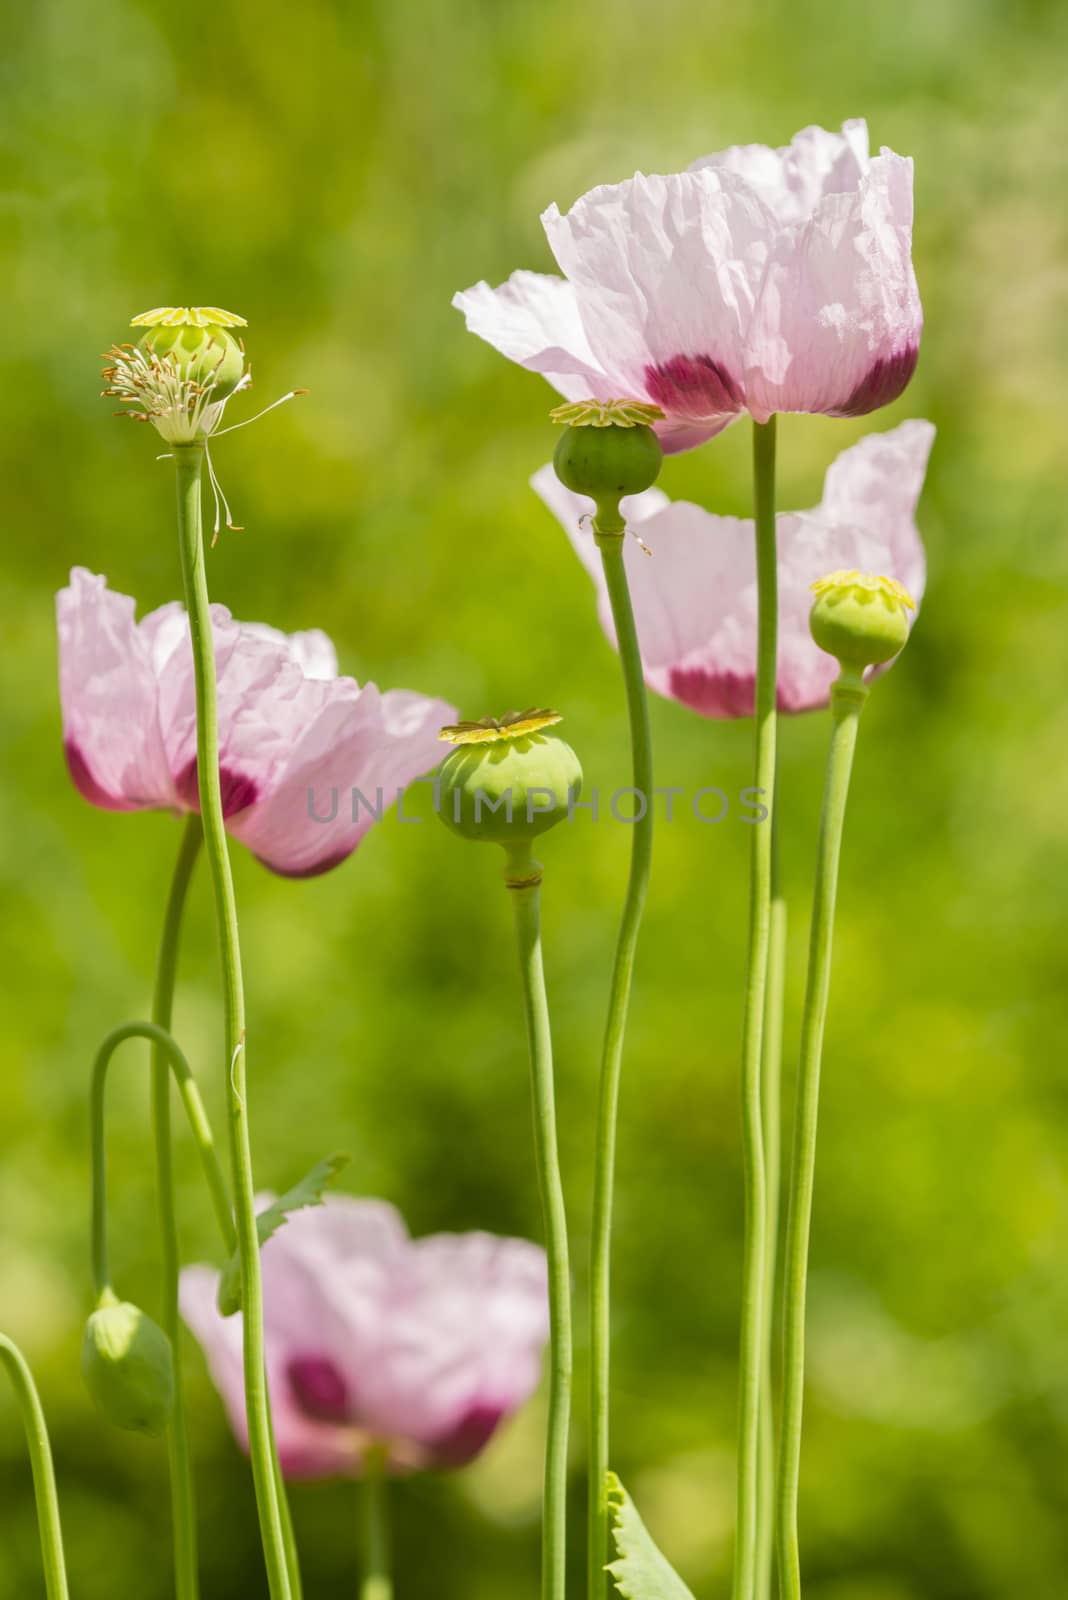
(128, 1366)
(860, 618)
(607, 450)
(507, 780)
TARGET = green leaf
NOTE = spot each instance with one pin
(640, 1571)
(308, 1192)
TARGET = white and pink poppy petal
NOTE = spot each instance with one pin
(533, 319)
(506, 1284)
(468, 1324)
(326, 1277)
(690, 595)
(109, 696)
(695, 600)
(876, 485)
(312, 650)
(341, 775)
(264, 699)
(307, 1446)
(666, 270)
(793, 179)
(836, 327)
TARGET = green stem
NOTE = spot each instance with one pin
(44, 1475)
(183, 1504)
(377, 1581)
(771, 1110)
(188, 461)
(755, 1176)
(166, 1048)
(611, 547)
(847, 699)
(524, 887)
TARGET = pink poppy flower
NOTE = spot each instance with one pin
(295, 739)
(695, 599)
(375, 1339)
(759, 280)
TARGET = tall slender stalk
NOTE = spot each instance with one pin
(771, 1110)
(524, 885)
(377, 1581)
(44, 1474)
(847, 701)
(755, 1176)
(610, 543)
(183, 1503)
(269, 1489)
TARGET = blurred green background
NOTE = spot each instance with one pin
(334, 173)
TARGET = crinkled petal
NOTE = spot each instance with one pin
(341, 774)
(836, 326)
(793, 179)
(109, 697)
(665, 271)
(307, 1446)
(467, 1327)
(695, 600)
(533, 319)
(876, 485)
(312, 650)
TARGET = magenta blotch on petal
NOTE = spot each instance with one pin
(886, 379)
(418, 1346)
(695, 599)
(288, 724)
(760, 279)
(693, 387)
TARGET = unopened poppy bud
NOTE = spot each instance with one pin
(197, 342)
(860, 618)
(128, 1366)
(507, 781)
(607, 450)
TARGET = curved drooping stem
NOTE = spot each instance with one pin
(188, 460)
(753, 1156)
(44, 1474)
(183, 1503)
(377, 1581)
(524, 885)
(610, 543)
(169, 1052)
(847, 700)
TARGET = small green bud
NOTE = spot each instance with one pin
(607, 450)
(128, 1366)
(507, 781)
(860, 618)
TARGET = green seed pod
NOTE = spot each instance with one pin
(860, 618)
(609, 462)
(507, 781)
(128, 1366)
(197, 340)
(209, 356)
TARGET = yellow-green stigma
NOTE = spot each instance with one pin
(846, 581)
(188, 317)
(513, 725)
(606, 414)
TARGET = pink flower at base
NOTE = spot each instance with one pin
(695, 601)
(292, 734)
(377, 1340)
(759, 280)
